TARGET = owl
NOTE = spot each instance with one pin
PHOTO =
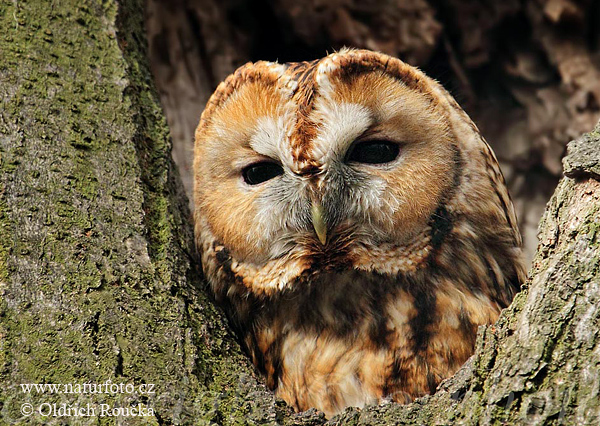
(354, 225)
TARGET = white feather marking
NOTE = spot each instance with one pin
(326, 66)
(268, 137)
(340, 125)
(276, 68)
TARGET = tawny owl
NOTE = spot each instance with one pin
(354, 224)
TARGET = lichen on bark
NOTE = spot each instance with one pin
(99, 280)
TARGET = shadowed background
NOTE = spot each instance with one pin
(527, 72)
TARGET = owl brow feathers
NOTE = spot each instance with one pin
(346, 65)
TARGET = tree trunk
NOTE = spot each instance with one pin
(100, 284)
(98, 277)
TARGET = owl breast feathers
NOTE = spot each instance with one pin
(354, 225)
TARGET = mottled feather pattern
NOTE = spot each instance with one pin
(419, 251)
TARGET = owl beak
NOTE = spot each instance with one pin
(319, 222)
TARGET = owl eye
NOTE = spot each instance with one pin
(261, 172)
(374, 152)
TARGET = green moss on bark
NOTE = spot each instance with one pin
(99, 279)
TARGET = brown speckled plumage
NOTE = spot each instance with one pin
(419, 251)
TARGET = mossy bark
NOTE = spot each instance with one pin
(98, 277)
(99, 281)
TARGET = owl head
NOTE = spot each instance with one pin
(356, 160)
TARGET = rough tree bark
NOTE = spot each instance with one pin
(99, 281)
